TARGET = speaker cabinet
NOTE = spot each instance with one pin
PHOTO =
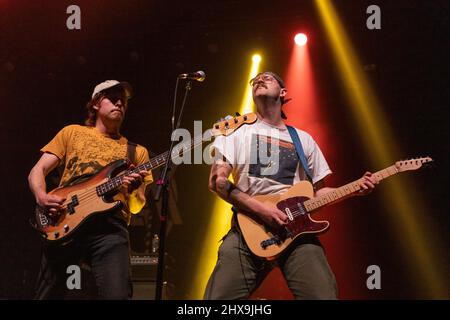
(143, 274)
(144, 290)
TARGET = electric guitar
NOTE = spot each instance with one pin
(100, 193)
(298, 202)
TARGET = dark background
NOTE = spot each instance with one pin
(47, 74)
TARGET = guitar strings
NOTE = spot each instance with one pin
(91, 193)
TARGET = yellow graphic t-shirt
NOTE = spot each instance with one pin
(85, 150)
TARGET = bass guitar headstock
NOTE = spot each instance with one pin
(230, 124)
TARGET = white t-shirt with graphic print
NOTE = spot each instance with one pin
(265, 161)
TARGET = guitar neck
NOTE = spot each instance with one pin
(344, 191)
(177, 152)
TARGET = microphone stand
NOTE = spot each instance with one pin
(163, 187)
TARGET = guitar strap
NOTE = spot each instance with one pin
(131, 152)
(300, 152)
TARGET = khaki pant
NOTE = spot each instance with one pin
(238, 272)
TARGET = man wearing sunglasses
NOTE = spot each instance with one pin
(103, 241)
(238, 271)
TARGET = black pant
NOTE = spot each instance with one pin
(102, 243)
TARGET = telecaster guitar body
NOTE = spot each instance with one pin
(267, 242)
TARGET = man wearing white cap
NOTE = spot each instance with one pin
(103, 241)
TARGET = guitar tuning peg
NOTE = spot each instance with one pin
(238, 114)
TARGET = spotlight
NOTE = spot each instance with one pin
(256, 58)
(300, 39)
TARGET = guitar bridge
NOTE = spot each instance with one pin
(274, 240)
(277, 239)
(43, 220)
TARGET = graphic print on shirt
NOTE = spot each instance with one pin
(90, 154)
(273, 159)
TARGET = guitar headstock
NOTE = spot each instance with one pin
(411, 164)
(231, 124)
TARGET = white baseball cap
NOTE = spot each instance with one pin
(113, 83)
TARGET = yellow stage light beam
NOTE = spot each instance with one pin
(247, 104)
(220, 216)
(420, 250)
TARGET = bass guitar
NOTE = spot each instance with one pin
(100, 193)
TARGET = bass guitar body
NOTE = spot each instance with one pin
(83, 200)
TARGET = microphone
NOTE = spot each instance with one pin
(197, 76)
